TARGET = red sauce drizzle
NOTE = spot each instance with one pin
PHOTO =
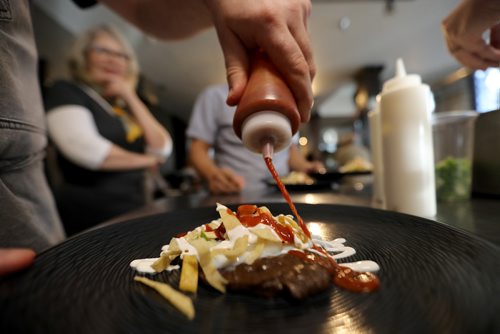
(286, 195)
(343, 277)
(219, 231)
(250, 215)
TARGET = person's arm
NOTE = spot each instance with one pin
(463, 31)
(120, 159)
(165, 19)
(156, 136)
(298, 163)
(277, 27)
(73, 130)
(220, 180)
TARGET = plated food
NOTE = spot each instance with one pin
(251, 250)
(356, 165)
(294, 178)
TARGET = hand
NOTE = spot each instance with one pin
(15, 259)
(463, 30)
(315, 167)
(279, 28)
(119, 89)
(225, 181)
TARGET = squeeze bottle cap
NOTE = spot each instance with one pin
(268, 130)
(401, 79)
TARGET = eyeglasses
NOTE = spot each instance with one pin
(110, 53)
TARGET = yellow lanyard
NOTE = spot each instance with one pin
(132, 129)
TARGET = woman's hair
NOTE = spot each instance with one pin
(77, 62)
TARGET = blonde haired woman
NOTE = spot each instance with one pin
(105, 137)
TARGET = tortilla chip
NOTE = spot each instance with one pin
(180, 301)
(189, 274)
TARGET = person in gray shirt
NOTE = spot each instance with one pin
(232, 168)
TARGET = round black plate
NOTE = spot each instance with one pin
(434, 279)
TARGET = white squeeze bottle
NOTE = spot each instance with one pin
(376, 148)
(407, 150)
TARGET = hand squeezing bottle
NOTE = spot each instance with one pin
(267, 116)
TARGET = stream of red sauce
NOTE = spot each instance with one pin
(343, 277)
(286, 195)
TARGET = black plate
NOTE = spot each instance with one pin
(434, 279)
(335, 175)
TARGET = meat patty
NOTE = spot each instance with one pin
(284, 274)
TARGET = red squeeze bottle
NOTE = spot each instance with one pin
(267, 115)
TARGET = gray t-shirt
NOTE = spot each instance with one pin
(28, 216)
(212, 122)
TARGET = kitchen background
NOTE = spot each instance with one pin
(356, 44)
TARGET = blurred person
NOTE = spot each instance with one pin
(28, 217)
(232, 168)
(463, 31)
(105, 136)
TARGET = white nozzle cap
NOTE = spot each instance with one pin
(266, 127)
(400, 68)
(401, 79)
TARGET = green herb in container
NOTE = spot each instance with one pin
(453, 179)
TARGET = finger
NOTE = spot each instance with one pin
(303, 40)
(288, 58)
(231, 179)
(486, 51)
(236, 61)
(472, 60)
(220, 184)
(15, 259)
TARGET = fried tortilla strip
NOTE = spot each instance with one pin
(180, 301)
(229, 220)
(212, 275)
(239, 247)
(162, 263)
(189, 274)
(255, 253)
(166, 257)
(296, 228)
(265, 233)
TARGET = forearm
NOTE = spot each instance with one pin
(155, 134)
(219, 180)
(120, 159)
(165, 19)
(202, 162)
